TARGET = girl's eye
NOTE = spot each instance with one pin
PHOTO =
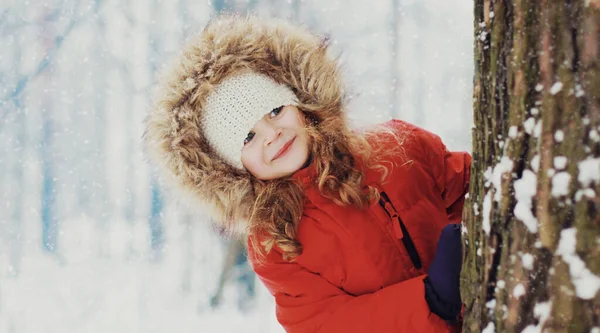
(249, 137)
(275, 112)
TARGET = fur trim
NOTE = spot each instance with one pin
(231, 44)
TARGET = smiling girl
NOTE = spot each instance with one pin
(342, 226)
(277, 145)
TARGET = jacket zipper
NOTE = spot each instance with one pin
(400, 229)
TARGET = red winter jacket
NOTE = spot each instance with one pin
(358, 271)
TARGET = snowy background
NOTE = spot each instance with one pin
(88, 240)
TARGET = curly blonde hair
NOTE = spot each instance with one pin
(339, 158)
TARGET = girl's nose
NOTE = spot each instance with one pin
(272, 133)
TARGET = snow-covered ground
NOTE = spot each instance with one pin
(114, 287)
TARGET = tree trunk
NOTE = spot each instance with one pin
(532, 245)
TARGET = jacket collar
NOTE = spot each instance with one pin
(307, 175)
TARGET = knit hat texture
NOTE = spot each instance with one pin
(235, 106)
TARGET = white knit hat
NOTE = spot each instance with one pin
(233, 108)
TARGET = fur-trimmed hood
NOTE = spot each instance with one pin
(228, 45)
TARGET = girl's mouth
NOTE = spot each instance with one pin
(284, 149)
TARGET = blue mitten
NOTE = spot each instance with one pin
(442, 286)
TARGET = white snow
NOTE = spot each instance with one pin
(556, 88)
(594, 135)
(120, 293)
(483, 35)
(523, 212)
(513, 131)
(463, 229)
(587, 192)
(490, 328)
(518, 290)
(491, 305)
(541, 311)
(527, 261)
(586, 283)
(560, 184)
(487, 210)
(579, 91)
(535, 163)
(559, 136)
(525, 190)
(526, 186)
(504, 166)
(501, 284)
(529, 124)
(487, 175)
(560, 162)
(534, 111)
(539, 87)
(589, 171)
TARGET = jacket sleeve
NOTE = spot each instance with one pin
(307, 302)
(450, 169)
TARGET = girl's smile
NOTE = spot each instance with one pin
(286, 147)
(277, 145)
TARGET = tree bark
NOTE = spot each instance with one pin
(532, 244)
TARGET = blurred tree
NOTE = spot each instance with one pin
(14, 139)
(15, 183)
(156, 224)
(98, 202)
(296, 10)
(129, 142)
(418, 12)
(223, 5)
(155, 53)
(46, 148)
(235, 264)
(533, 229)
(188, 254)
(394, 58)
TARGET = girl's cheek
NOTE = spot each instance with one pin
(251, 158)
(246, 160)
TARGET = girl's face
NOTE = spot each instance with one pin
(277, 145)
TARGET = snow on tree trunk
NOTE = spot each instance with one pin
(532, 241)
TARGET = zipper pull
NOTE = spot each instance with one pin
(397, 229)
(384, 201)
(395, 220)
